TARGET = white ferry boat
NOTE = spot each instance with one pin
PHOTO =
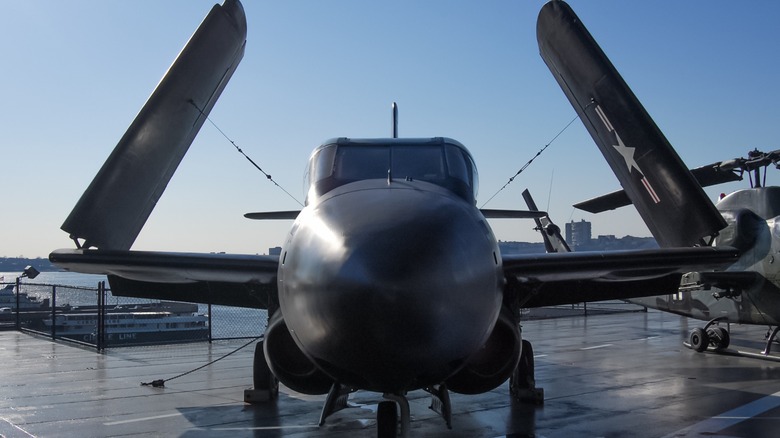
(26, 302)
(125, 326)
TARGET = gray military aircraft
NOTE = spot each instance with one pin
(390, 279)
(748, 291)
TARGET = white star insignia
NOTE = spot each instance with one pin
(627, 153)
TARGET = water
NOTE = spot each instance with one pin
(77, 289)
(59, 277)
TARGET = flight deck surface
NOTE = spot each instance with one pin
(625, 375)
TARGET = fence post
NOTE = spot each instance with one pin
(101, 313)
(53, 312)
(210, 333)
(18, 292)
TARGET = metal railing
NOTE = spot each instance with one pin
(92, 316)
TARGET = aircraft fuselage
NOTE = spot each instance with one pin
(391, 281)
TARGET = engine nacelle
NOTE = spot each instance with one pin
(494, 363)
(288, 363)
(743, 229)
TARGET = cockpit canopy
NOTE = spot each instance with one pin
(441, 161)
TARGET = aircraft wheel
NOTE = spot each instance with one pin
(720, 337)
(387, 419)
(262, 377)
(699, 339)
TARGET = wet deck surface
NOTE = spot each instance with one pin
(624, 375)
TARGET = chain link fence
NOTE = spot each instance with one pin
(581, 309)
(92, 316)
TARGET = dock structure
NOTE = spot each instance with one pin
(625, 374)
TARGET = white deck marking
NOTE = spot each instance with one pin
(10, 430)
(596, 347)
(727, 419)
(303, 426)
(137, 420)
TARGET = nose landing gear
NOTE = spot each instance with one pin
(387, 416)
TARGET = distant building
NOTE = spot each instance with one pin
(578, 233)
(579, 238)
(612, 243)
(275, 251)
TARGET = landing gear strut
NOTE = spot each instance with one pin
(522, 384)
(266, 385)
(769, 339)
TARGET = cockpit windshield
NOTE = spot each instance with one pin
(439, 161)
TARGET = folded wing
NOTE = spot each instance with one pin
(665, 193)
(117, 203)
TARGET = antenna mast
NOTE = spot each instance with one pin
(395, 120)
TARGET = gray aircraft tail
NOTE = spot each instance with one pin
(667, 196)
(117, 203)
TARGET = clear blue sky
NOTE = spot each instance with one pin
(74, 74)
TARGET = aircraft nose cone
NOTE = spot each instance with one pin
(413, 289)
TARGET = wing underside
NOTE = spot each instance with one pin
(231, 280)
(567, 278)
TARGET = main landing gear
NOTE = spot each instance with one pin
(716, 337)
(522, 384)
(266, 385)
(393, 413)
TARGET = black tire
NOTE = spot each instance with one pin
(262, 377)
(387, 420)
(721, 338)
(699, 339)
